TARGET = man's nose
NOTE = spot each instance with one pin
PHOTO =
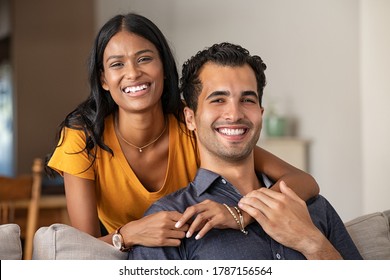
(233, 112)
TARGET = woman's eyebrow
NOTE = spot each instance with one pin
(136, 54)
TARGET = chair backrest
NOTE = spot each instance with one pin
(23, 191)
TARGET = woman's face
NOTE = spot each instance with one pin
(132, 72)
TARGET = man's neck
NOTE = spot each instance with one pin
(239, 173)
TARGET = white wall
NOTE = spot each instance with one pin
(375, 73)
(312, 50)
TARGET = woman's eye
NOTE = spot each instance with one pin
(144, 59)
(116, 64)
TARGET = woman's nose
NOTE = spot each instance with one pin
(132, 71)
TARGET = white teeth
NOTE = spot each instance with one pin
(135, 89)
(238, 131)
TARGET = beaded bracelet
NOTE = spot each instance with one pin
(239, 222)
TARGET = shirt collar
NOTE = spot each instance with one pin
(203, 180)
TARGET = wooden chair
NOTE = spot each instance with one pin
(17, 193)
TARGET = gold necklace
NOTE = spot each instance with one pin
(143, 147)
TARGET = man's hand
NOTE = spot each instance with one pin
(285, 217)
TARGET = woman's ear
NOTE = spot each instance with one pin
(189, 116)
(103, 81)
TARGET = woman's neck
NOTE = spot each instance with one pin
(140, 129)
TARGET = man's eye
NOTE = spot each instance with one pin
(248, 100)
(217, 101)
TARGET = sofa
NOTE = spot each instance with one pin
(371, 234)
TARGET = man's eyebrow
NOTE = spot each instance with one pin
(136, 54)
(227, 93)
(218, 93)
(250, 93)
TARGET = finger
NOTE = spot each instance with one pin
(262, 198)
(254, 203)
(254, 212)
(186, 216)
(205, 229)
(288, 191)
(191, 211)
(198, 222)
(174, 215)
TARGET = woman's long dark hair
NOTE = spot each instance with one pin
(89, 116)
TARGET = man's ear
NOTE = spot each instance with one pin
(103, 81)
(262, 119)
(189, 116)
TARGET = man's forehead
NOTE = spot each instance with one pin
(215, 76)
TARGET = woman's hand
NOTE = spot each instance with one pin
(206, 215)
(155, 230)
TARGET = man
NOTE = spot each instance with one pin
(223, 87)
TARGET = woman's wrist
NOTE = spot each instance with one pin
(248, 219)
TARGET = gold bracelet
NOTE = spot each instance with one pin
(241, 220)
(240, 226)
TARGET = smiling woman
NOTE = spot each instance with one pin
(126, 146)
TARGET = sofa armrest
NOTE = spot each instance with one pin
(371, 234)
(63, 242)
(11, 245)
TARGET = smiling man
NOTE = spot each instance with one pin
(223, 88)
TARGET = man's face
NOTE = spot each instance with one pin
(228, 119)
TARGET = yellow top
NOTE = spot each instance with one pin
(120, 195)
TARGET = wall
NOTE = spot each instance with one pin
(313, 52)
(49, 48)
(375, 69)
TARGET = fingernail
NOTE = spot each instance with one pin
(197, 237)
(178, 224)
(188, 234)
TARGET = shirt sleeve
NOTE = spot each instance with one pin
(333, 228)
(70, 155)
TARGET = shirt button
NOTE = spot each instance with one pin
(278, 256)
(223, 181)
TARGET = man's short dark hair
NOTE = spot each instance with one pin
(224, 54)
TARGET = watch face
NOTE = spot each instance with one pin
(117, 241)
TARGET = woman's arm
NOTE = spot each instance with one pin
(81, 204)
(154, 230)
(303, 184)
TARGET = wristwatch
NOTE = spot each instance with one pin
(119, 242)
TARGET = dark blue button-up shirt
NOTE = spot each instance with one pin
(233, 244)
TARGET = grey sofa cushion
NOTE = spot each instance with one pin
(63, 242)
(371, 234)
(10, 243)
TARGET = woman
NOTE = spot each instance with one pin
(127, 145)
